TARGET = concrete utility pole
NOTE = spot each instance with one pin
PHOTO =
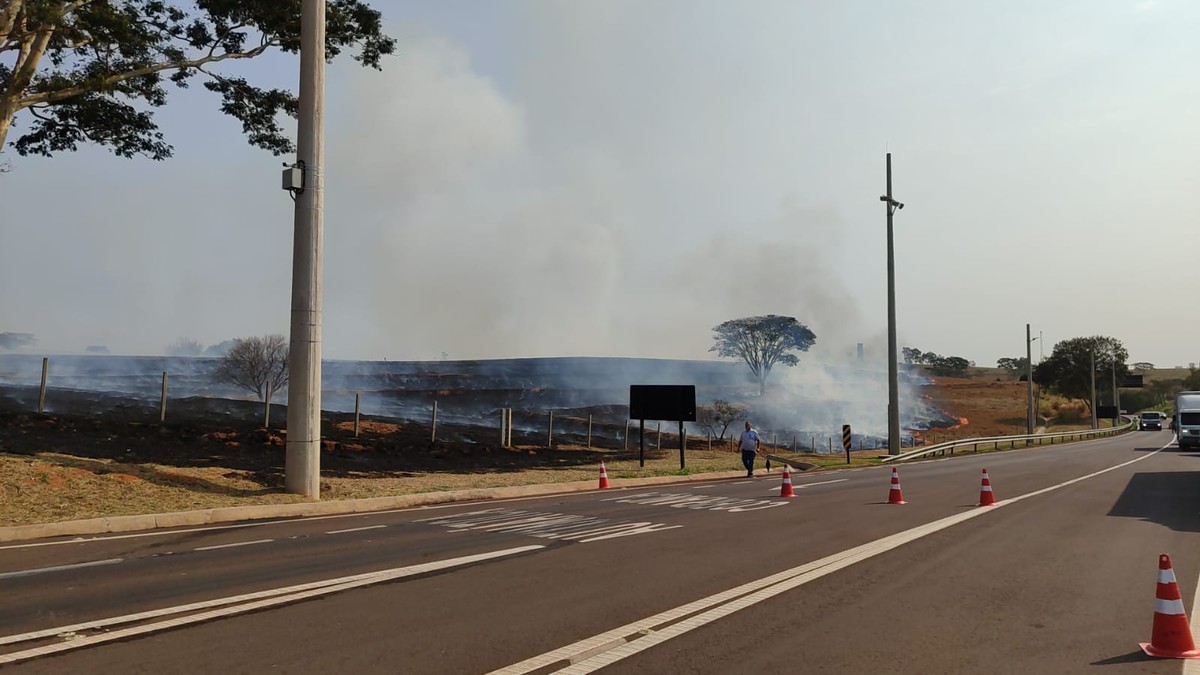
(1094, 423)
(1029, 425)
(302, 466)
(893, 362)
(1116, 399)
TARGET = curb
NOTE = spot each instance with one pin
(227, 514)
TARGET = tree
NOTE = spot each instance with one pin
(1143, 366)
(1165, 389)
(185, 347)
(92, 71)
(762, 342)
(912, 354)
(949, 366)
(1017, 365)
(259, 364)
(1192, 381)
(720, 415)
(1067, 371)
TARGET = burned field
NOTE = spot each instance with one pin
(99, 448)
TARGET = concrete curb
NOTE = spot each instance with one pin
(230, 514)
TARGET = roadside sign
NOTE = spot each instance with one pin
(846, 440)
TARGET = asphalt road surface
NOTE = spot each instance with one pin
(720, 577)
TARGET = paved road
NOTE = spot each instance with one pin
(723, 577)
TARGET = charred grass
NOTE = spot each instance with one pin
(64, 466)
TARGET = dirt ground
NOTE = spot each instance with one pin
(983, 408)
(56, 467)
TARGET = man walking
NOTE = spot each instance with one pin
(749, 445)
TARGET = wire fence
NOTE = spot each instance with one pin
(495, 425)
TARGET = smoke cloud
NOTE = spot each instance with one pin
(471, 232)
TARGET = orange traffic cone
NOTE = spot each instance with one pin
(603, 477)
(895, 496)
(786, 489)
(1171, 637)
(986, 497)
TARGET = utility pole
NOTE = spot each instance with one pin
(1116, 401)
(893, 362)
(302, 464)
(1094, 423)
(1029, 425)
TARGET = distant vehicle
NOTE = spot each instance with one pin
(1187, 419)
(1151, 419)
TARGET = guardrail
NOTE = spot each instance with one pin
(997, 441)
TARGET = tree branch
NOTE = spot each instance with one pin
(8, 20)
(70, 92)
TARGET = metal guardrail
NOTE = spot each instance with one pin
(997, 441)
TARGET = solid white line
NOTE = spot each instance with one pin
(356, 529)
(732, 600)
(240, 543)
(58, 568)
(316, 589)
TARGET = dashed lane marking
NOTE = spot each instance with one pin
(233, 545)
(356, 529)
(800, 486)
(59, 568)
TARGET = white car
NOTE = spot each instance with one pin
(1150, 420)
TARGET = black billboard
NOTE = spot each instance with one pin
(673, 402)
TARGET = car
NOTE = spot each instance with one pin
(1150, 420)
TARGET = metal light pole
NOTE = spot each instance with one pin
(893, 362)
(1094, 422)
(302, 465)
(1029, 426)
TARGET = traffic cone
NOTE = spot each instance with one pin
(603, 477)
(1171, 637)
(895, 496)
(786, 489)
(986, 497)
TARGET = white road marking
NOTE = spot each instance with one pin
(302, 519)
(799, 486)
(824, 482)
(259, 601)
(240, 543)
(1191, 666)
(568, 527)
(742, 482)
(703, 487)
(59, 568)
(356, 529)
(707, 610)
(684, 500)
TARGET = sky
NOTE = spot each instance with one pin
(614, 178)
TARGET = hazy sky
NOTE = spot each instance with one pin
(543, 178)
